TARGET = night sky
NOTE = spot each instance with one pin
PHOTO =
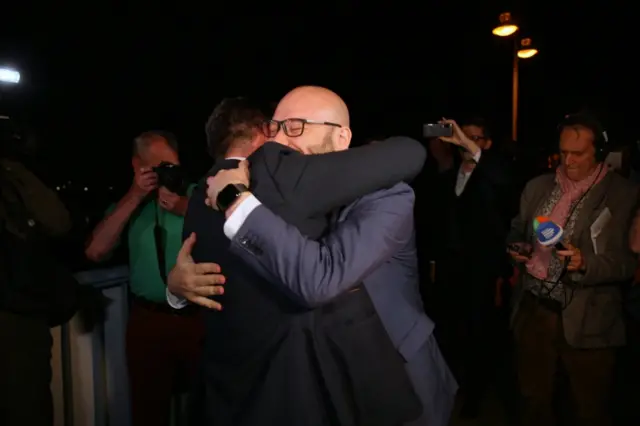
(96, 74)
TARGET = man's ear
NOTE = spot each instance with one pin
(258, 139)
(488, 144)
(344, 139)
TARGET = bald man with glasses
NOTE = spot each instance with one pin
(318, 345)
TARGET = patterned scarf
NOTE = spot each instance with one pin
(572, 191)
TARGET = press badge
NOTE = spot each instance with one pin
(598, 225)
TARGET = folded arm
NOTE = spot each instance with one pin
(314, 272)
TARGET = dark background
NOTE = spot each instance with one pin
(95, 74)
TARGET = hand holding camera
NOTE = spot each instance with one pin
(168, 200)
(458, 137)
(145, 180)
(520, 252)
(172, 186)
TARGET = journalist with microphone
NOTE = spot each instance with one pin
(568, 311)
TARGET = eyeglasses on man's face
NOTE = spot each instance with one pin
(292, 127)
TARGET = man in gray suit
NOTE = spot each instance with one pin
(372, 242)
(567, 305)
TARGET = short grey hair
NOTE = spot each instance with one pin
(143, 140)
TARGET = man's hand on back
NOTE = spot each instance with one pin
(195, 282)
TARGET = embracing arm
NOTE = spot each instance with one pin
(314, 272)
(323, 182)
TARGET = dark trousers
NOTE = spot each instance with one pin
(163, 354)
(467, 325)
(541, 351)
(25, 371)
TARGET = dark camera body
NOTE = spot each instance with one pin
(437, 130)
(172, 177)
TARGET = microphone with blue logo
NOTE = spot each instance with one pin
(548, 232)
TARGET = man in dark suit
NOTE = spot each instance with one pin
(372, 241)
(469, 219)
(263, 333)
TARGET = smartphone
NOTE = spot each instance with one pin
(437, 130)
(560, 246)
(519, 249)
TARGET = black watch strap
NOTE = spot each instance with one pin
(228, 195)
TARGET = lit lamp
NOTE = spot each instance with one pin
(522, 50)
(526, 49)
(507, 26)
(8, 75)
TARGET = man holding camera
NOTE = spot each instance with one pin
(150, 216)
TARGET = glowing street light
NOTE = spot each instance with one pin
(9, 76)
(506, 27)
(526, 49)
(522, 50)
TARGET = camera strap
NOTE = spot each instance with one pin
(159, 235)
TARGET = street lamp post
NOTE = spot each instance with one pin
(515, 90)
(522, 50)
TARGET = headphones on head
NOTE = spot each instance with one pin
(589, 121)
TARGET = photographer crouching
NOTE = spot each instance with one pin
(163, 344)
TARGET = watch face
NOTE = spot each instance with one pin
(228, 195)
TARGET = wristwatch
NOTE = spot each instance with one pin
(229, 194)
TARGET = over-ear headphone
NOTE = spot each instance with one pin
(589, 121)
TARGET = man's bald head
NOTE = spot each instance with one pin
(314, 102)
(327, 128)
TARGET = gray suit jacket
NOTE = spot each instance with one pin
(373, 243)
(593, 318)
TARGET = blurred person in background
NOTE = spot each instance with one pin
(472, 191)
(567, 310)
(149, 218)
(35, 292)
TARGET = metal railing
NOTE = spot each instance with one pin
(92, 376)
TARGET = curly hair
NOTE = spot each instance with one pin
(232, 122)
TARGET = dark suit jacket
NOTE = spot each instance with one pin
(476, 222)
(255, 364)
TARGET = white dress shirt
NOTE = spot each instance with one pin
(463, 177)
(231, 227)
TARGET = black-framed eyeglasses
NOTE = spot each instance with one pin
(477, 138)
(292, 127)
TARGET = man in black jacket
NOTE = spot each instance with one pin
(29, 213)
(469, 217)
(260, 357)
